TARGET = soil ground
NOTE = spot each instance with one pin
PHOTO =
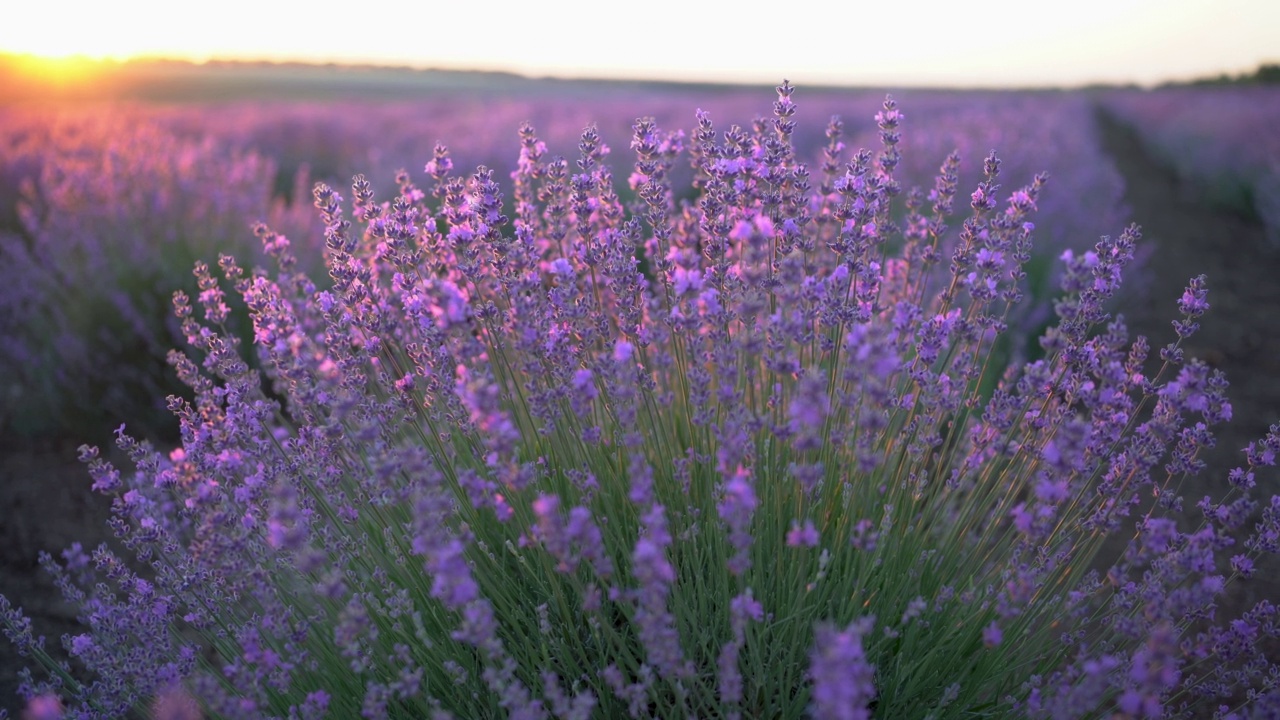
(45, 503)
(1240, 334)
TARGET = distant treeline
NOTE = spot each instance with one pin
(1266, 74)
(25, 78)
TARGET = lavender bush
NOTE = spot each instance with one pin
(723, 458)
(1034, 130)
(103, 214)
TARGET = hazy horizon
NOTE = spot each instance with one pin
(924, 43)
(79, 72)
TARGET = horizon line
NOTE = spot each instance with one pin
(115, 62)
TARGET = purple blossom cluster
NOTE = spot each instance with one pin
(1033, 131)
(536, 449)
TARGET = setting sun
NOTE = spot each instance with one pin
(57, 71)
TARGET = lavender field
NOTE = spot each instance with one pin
(691, 402)
(110, 206)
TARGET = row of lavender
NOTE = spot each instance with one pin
(1223, 142)
(103, 210)
(102, 214)
(724, 458)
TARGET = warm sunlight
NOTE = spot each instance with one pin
(58, 72)
(917, 42)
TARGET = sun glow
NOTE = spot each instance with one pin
(1011, 43)
(57, 72)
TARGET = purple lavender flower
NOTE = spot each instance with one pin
(806, 535)
(175, 703)
(992, 635)
(843, 680)
(43, 707)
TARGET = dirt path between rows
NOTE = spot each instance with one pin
(46, 503)
(1240, 334)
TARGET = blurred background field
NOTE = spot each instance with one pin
(110, 190)
(113, 185)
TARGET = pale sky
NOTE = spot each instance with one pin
(847, 42)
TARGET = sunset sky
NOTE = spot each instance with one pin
(918, 42)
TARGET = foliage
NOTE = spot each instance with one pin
(719, 458)
(104, 215)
